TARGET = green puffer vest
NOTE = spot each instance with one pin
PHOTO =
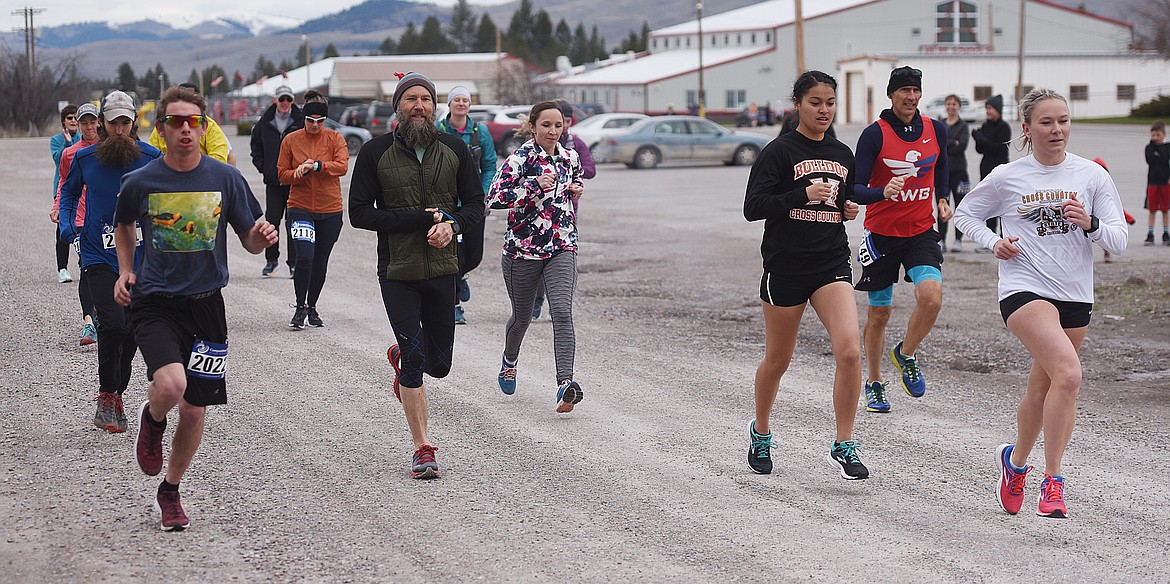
(408, 185)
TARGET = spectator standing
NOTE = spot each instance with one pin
(1158, 180)
(958, 181)
(991, 140)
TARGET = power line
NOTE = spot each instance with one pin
(30, 36)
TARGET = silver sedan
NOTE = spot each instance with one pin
(680, 138)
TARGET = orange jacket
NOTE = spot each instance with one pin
(317, 191)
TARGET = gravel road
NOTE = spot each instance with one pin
(302, 476)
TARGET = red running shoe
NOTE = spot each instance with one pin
(1052, 498)
(393, 354)
(1011, 483)
(423, 466)
(148, 445)
(173, 517)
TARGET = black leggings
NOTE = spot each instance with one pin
(312, 257)
(422, 314)
(956, 179)
(116, 344)
(62, 250)
(470, 248)
(275, 200)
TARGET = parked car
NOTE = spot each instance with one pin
(592, 109)
(674, 138)
(593, 129)
(503, 125)
(354, 136)
(379, 117)
(354, 115)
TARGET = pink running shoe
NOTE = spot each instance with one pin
(1011, 483)
(1052, 498)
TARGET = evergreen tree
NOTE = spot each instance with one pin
(126, 80)
(578, 49)
(563, 36)
(330, 51)
(408, 43)
(461, 30)
(518, 39)
(544, 47)
(388, 47)
(432, 40)
(285, 66)
(262, 68)
(212, 73)
(149, 82)
(596, 46)
(193, 79)
(485, 35)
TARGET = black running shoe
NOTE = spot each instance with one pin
(314, 318)
(844, 455)
(298, 320)
(760, 451)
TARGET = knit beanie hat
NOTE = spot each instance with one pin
(410, 80)
(904, 77)
(458, 91)
(996, 102)
(315, 108)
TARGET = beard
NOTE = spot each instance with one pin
(417, 133)
(118, 151)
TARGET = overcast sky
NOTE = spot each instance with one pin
(190, 12)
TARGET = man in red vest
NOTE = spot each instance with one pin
(901, 176)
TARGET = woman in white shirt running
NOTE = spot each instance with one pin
(1054, 205)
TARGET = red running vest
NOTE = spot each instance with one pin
(912, 211)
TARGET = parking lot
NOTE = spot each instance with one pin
(303, 475)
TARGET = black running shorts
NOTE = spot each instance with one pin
(169, 329)
(782, 290)
(1072, 314)
(896, 252)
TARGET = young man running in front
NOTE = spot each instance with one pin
(184, 202)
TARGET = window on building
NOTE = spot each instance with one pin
(982, 92)
(692, 97)
(956, 22)
(654, 44)
(767, 37)
(725, 40)
(677, 42)
(736, 98)
(1126, 92)
(739, 40)
(753, 38)
(1078, 93)
(688, 42)
(712, 40)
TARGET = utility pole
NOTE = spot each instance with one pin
(799, 38)
(30, 37)
(1020, 57)
(308, 61)
(702, 92)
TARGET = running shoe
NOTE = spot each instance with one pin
(1165, 237)
(88, 334)
(298, 320)
(173, 517)
(314, 318)
(1051, 502)
(844, 455)
(268, 269)
(148, 445)
(63, 276)
(912, 380)
(464, 290)
(393, 354)
(875, 397)
(120, 413)
(292, 271)
(507, 377)
(105, 418)
(569, 394)
(759, 451)
(1149, 238)
(536, 308)
(1011, 481)
(956, 246)
(423, 466)
(460, 318)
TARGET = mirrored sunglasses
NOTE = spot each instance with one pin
(178, 121)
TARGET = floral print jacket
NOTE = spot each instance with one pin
(540, 224)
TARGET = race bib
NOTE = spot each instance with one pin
(303, 231)
(108, 241)
(77, 243)
(963, 188)
(208, 360)
(867, 253)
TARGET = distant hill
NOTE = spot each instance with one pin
(235, 40)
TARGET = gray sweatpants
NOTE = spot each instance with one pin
(559, 274)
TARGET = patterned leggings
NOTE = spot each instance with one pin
(559, 274)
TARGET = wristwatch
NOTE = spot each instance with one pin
(1096, 224)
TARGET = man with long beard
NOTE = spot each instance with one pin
(418, 188)
(99, 170)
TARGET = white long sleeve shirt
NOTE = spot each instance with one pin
(1056, 257)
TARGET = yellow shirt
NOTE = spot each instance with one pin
(213, 143)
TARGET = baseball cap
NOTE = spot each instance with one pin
(118, 104)
(87, 109)
(284, 90)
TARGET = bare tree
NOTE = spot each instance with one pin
(1154, 25)
(28, 103)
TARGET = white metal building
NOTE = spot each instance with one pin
(968, 47)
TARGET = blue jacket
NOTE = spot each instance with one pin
(102, 184)
(486, 157)
(57, 145)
